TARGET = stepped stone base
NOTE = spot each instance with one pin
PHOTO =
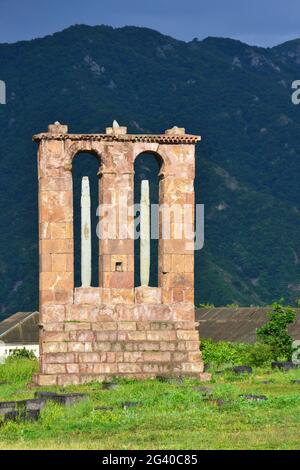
(81, 343)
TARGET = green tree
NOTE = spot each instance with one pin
(275, 331)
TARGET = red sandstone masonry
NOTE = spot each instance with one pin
(112, 330)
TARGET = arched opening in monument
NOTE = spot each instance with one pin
(85, 203)
(146, 186)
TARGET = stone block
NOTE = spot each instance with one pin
(148, 346)
(60, 262)
(56, 280)
(45, 263)
(152, 312)
(117, 247)
(119, 280)
(192, 367)
(68, 379)
(125, 368)
(103, 346)
(62, 296)
(46, 380)
(166, 293)
(189, 295)
(194, 356)
(55, 327)
(168, 335)
(72, 368)
(56, 184)
(58, 358)
(104, 326)
(58, 347)
(75, 325)
(76, 346)
(192, 345)
(52, 314)
(167, 346)
(54, 369)
(159, 356)
(188, 335)
(175, 247)
(178, 295)
(151, 368)
(179, 356)
(57, 246)
(133, 336)
(189, 263)
(59, 230)
(183, 312)
(57, 128)
(85, 336)
(178, 265)
(56, 206)
(111, 357)
(133, 356)
(111, 368)
(126, 325)
(54, 336)
(147, 295)
(83, 313)
(106, 336)
(119, 296)
(143, 325)
(89, 357)
(179, 280)
(162, 325)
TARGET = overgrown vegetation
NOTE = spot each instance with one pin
(225, 352)
(168, 415)
(21, 353)
(274, 342)
(275, 332)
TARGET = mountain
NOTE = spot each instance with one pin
(238, 97)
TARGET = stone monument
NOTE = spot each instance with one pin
(114, 329)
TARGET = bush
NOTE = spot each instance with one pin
(259, 354)
(21, 354)
(275, 332)
(224, 352)
(221, 352)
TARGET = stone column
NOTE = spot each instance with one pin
(55, 222)
(86, 244)
(176, 246)
(145, 234)
(116, 263)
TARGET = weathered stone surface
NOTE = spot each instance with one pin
(87, 295)
(96, 333)
(148, 295)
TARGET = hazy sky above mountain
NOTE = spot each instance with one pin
(259, 22)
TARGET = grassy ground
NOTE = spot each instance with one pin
(170, 415)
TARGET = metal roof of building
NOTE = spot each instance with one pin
(20, 328)
(236, 324)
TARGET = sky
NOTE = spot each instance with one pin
(256, 22)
